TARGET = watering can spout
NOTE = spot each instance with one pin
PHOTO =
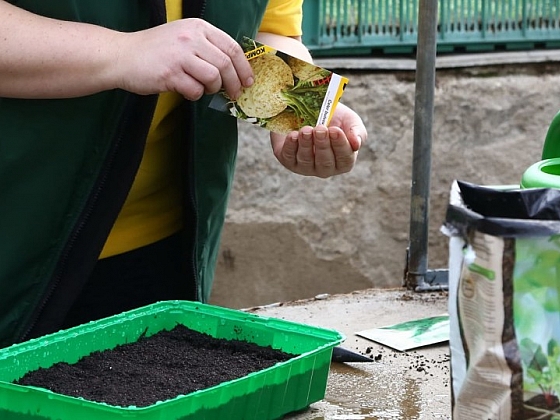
(551, 148)
(546, 173)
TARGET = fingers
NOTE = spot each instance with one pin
(344, 152)
(325, 160)
(189, 87)
(356, 135)
(222, 64)
(188, 56)
(319, 151)
(305, 157)
(352, 125)
(286, 152)
(235, 66)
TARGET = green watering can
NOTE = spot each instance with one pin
(546, 172)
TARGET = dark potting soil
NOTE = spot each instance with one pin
(155, 368)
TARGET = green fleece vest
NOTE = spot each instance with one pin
(66, 167)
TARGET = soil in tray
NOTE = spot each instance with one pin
(155, 368)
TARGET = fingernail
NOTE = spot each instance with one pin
(236, 95)
(320, 134)
(249, 81)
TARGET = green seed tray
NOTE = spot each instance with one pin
(264, 395)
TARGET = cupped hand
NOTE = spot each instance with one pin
(188, 56)
(322, 151)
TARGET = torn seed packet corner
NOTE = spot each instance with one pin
(288, 93)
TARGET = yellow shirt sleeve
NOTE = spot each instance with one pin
(283, 17)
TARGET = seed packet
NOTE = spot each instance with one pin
(288, 93)
(411, 334)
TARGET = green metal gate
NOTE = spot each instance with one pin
(365, 27)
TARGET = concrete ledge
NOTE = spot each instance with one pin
(410, 385)
(442, 62)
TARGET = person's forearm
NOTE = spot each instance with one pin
(47, 58)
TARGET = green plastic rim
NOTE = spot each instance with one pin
(542, 174)
(268, 394)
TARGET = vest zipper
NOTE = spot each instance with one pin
(157, 16)
(193, 9)
(61, 266)
(83, 220)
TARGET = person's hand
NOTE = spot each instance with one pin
(322, 151)
(43, 58)
(188, 56)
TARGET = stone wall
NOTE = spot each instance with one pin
(289, 237)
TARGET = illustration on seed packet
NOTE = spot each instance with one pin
(411, 334)
(288, 93)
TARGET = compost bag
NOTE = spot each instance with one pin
(504, 302)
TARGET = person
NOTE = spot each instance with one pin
(114, 172)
